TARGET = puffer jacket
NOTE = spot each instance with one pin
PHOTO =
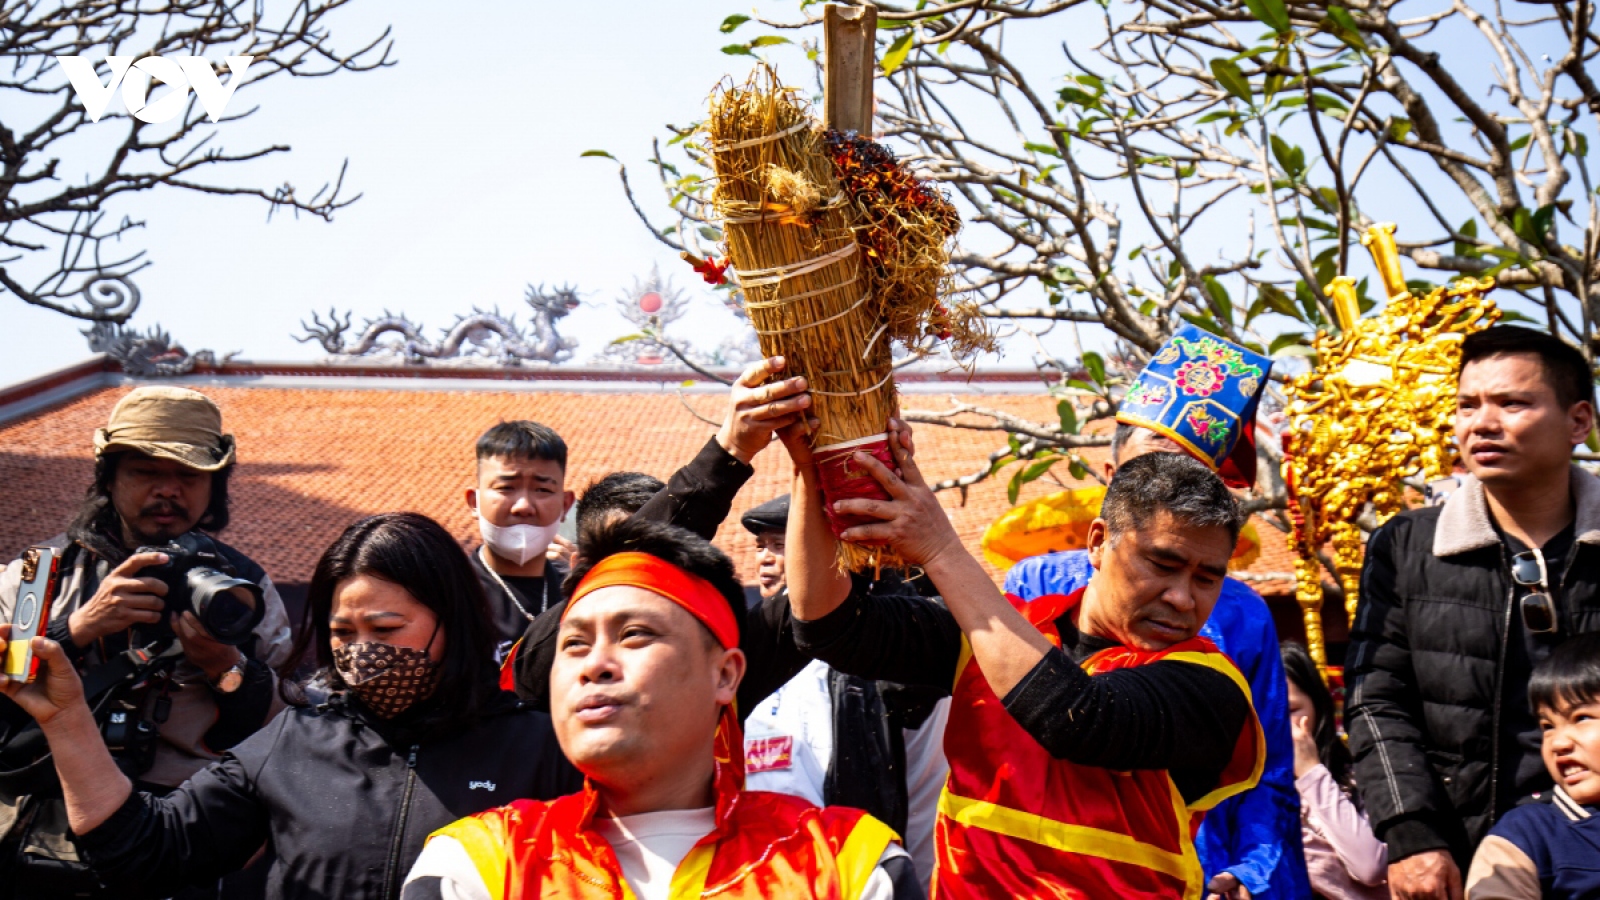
(1426, 673)
(344, 808)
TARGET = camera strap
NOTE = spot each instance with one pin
(129, 667)
(24, 753)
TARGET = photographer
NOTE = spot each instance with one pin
(414, 735)
(162, 466)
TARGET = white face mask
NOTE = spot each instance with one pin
(517, 543)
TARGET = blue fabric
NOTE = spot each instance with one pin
(1254, 835)
(1566, 852)
(1200, 391)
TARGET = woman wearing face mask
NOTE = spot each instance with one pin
(413, 734)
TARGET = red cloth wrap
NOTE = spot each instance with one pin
(844, 479)
(641, 570)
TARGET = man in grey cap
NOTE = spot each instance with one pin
(162, 465)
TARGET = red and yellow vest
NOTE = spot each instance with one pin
(1016, 822)
(764, 845)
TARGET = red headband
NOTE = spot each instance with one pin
(641, 570)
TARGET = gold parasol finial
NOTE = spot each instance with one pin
(1378, 405)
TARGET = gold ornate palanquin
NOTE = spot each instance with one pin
(1376, 407)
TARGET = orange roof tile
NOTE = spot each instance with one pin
(313, 460)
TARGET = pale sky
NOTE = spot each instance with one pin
(468, 154)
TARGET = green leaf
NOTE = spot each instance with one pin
(1399, 129)
(1272, 13)
(1277, 301)
(1068, 416)
(732, 22)
(769, 40)
(710, 234)
(1544, 220)
(1001, 463)
(1096, 366)
(1232, 80)
(1204, 323)
(629, 337)
(1576, 142)
(1308, 304)
(1521, 142)
(1078, 469)
(1031, 473)
(1287, 339)
(1077, 96)
(896, 55)
(1343, 26)
(738, 50)
(1332, 105)
(1292, 158)
(1047, 149)
(1228, 114)
(1221, 303)
(597, 153)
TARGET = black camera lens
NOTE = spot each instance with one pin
(228, 608)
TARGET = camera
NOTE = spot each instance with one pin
(200, 580)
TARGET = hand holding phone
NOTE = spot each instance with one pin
(31, 615)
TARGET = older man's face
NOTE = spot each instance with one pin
(158, 499)
(1155, 585)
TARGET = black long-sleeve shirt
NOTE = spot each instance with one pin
(1172, 715)
(697, 497)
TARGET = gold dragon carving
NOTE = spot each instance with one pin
(1376, 407)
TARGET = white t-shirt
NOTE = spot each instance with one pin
(788, 744)
(649, 847)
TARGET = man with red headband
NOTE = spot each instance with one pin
(642, 688)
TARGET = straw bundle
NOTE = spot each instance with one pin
(791, 235)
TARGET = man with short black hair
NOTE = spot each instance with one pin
(642, 691)
(1459, 602)
(1088, 733)
(519, 496)
(619, 494)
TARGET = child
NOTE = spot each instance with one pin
(1551, 848)
(1343, 858)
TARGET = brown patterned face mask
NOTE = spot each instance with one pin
(388, 679)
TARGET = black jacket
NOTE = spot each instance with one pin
(1437, 680)
(344, 809)
(1168, 714)
(698, 497)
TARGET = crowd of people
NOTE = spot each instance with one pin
(618, 716)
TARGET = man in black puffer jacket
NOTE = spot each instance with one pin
(1459, 602)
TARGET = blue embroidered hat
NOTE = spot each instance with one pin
(1201, 392)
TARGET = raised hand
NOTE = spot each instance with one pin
(756, 410)
(913, 524)
(56, 690)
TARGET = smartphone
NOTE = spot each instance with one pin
(32, 613)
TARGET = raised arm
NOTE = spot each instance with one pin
(699, 495)
(91, 783)
(1004, 645)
